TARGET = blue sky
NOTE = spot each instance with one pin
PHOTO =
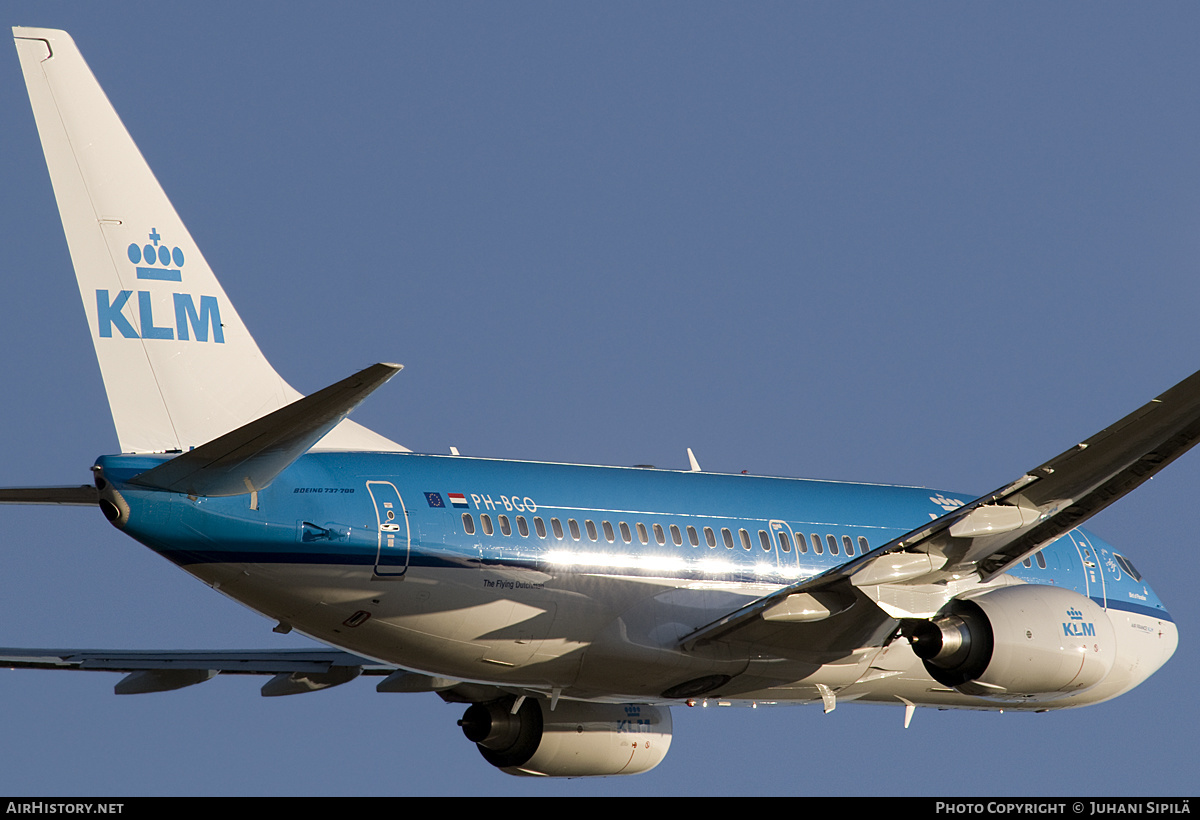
(928, 244)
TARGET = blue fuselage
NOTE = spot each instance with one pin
(535, 573)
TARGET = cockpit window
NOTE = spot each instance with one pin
(1128, 567)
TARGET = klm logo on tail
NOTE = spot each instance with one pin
(159, 263)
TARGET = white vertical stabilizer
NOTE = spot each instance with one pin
(179, 366)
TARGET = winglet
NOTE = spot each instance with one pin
(249, 458)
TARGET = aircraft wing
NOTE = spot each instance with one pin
(293, 670)
(817, 617)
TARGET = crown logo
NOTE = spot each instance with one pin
(153, 253)
(946, 504)
(1074, 614)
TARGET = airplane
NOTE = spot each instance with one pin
(567, 607)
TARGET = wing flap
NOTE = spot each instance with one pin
(852, 621)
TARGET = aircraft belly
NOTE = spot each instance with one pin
(442, 621)
(589, 635)
(516, 636)
(603, 636)
(576, 631)
(289, 593)
(638, 654)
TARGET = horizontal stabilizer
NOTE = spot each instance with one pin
(249, 458)
(84, 495)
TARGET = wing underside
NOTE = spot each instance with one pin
(291, 671)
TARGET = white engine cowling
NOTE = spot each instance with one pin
(575, 740)
(1026, 642)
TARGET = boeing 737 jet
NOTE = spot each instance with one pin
(566, 606)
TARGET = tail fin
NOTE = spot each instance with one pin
(179, 366)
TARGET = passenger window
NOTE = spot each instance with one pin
(1027, 563)
(505, 527)
(818, 547)
(785, 542)
(833, 547)
(659, 535)
(710, 537)
(468, 524)
(486, 521)
(591, 529)
(556, 525)
(848, 544)
(801, 542)
(1041, 559)
(522, 526)
(745, 538)
(641, 528)
(625, 536)
(727, 537)
(764, 540)
(693, 538)
(540, 526)
(573, 526)
(608, 532)
(676, 536)
(863, 546)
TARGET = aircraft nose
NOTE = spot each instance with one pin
(1169, 637)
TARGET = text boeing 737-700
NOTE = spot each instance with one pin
(566, 606)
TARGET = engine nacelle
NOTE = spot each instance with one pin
(575, 740)
(1026, 643)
